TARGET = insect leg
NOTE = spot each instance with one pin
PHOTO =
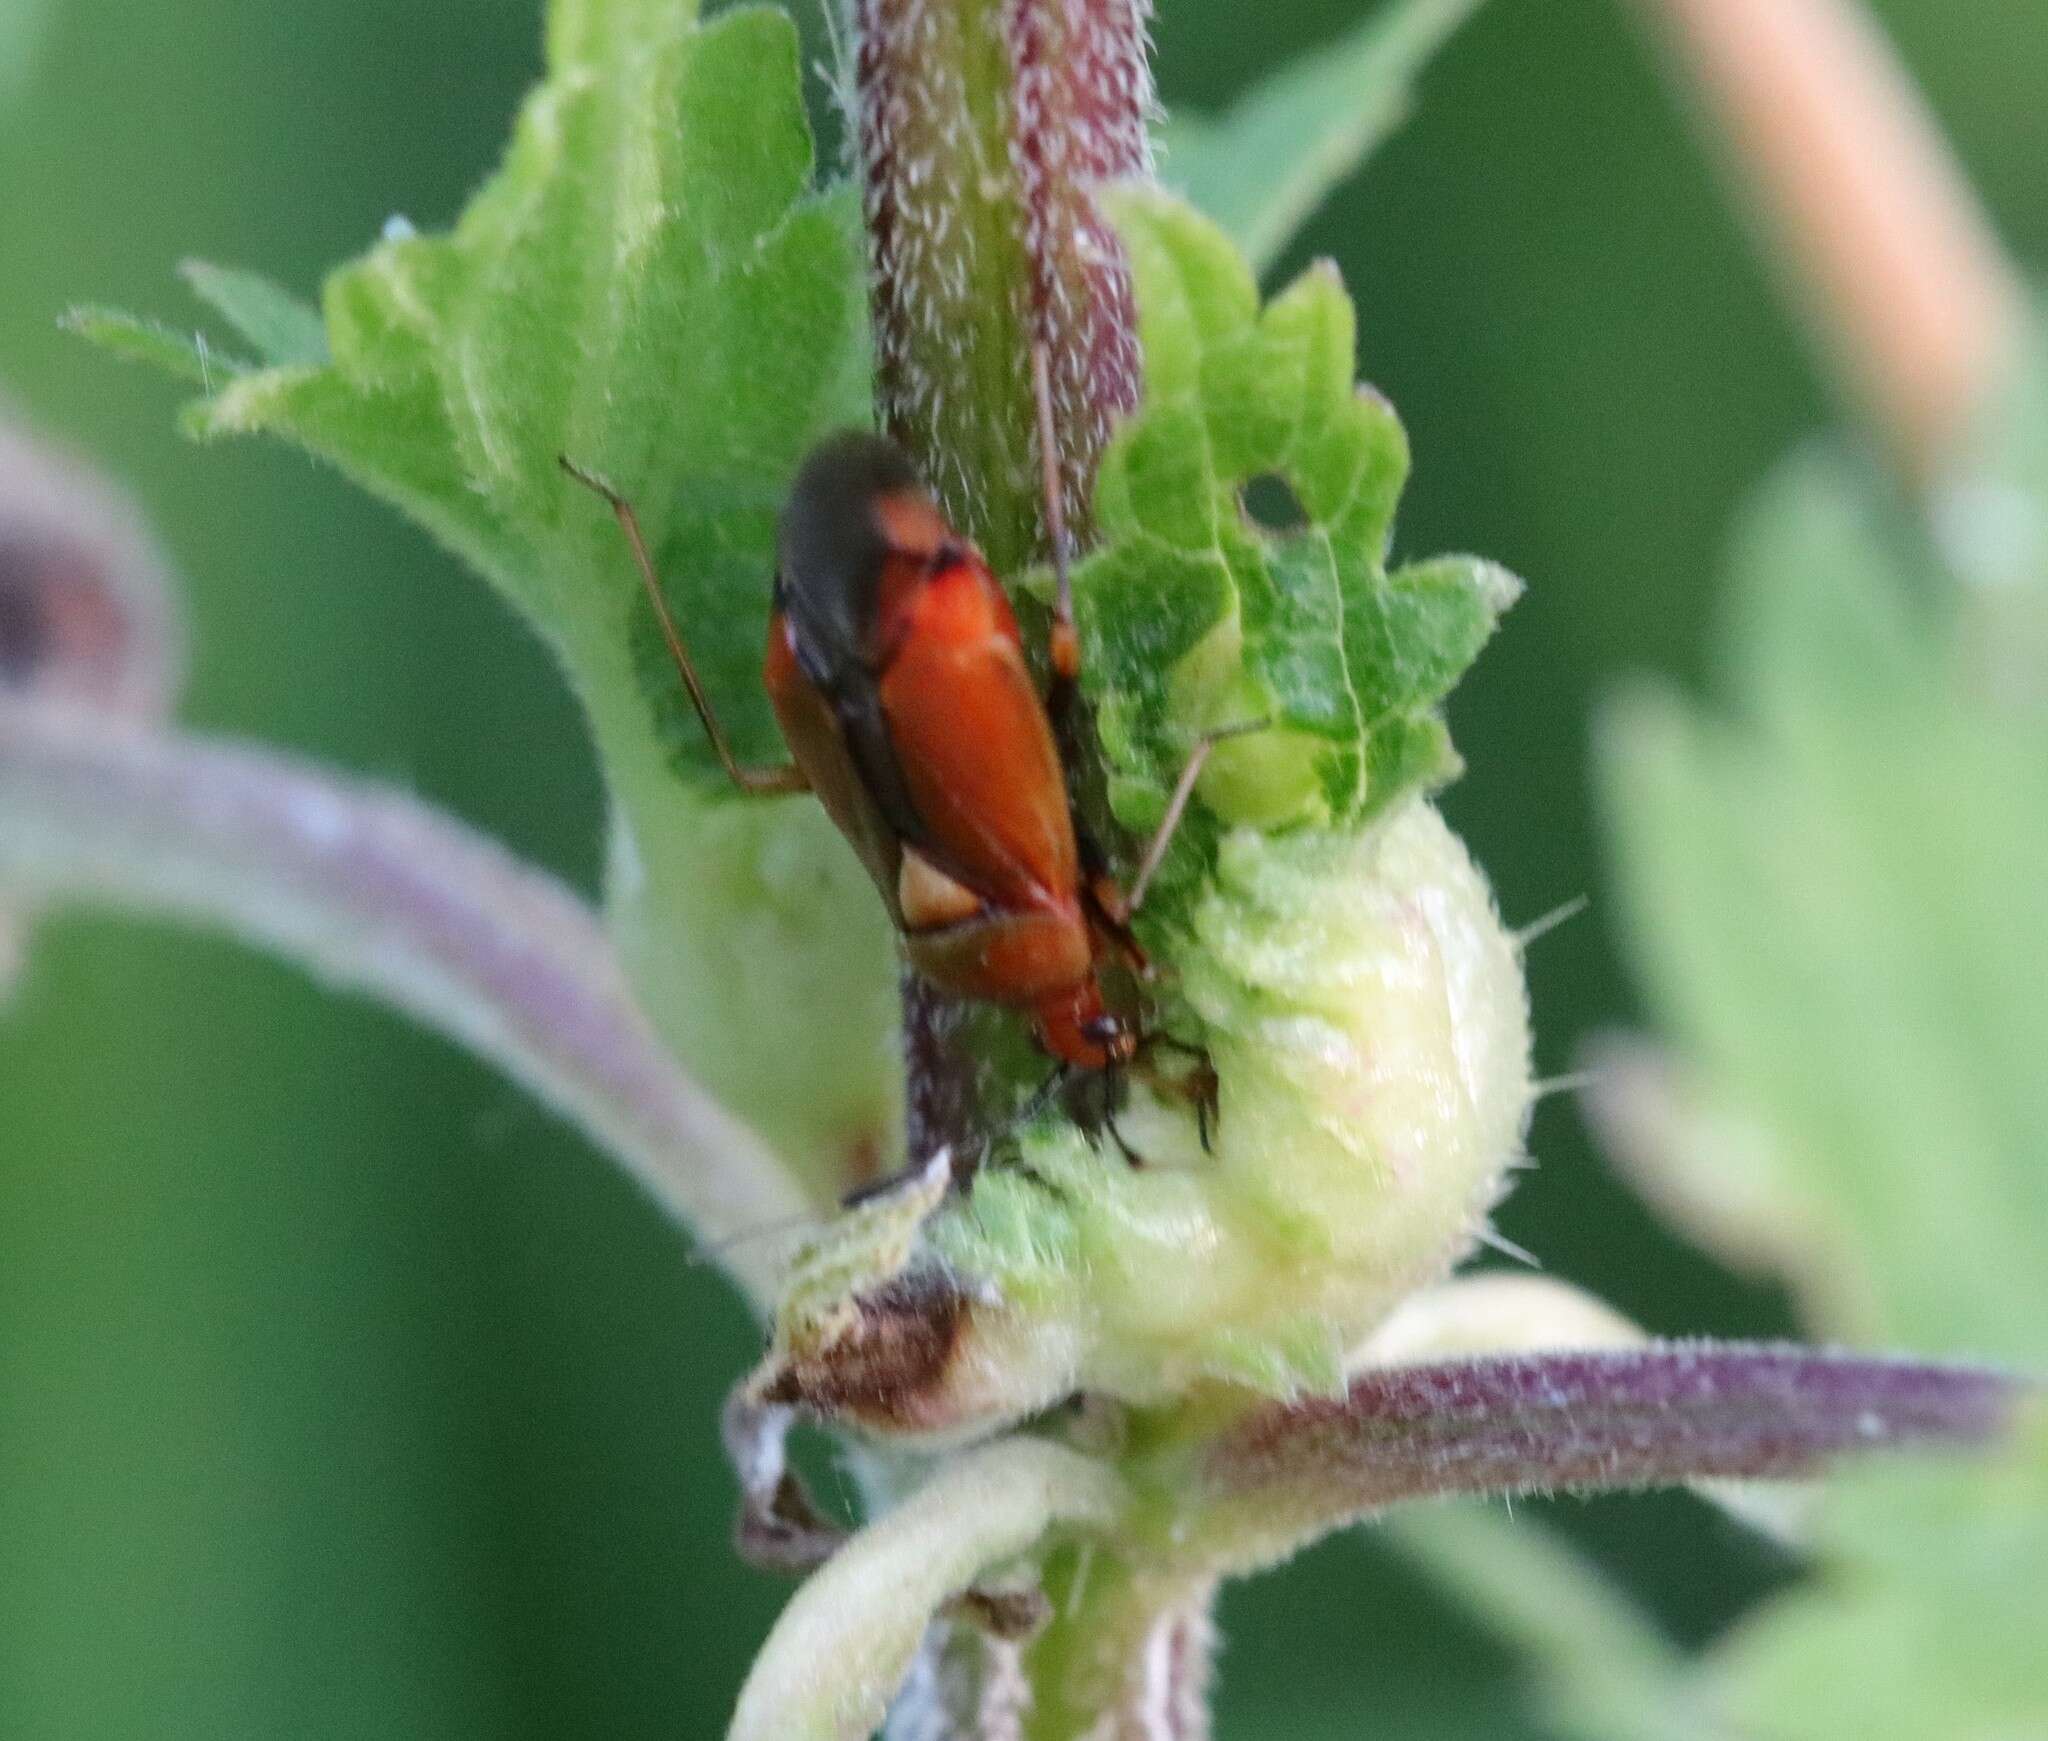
(1197, 1086)
(1132, 1159)
(1124, 906)
(759, 782)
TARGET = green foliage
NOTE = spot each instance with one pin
(283, 330)
(452, 1617)
(1197, 617)
(1262, 167)
(1927, 1622)
(1923, 1623)
(1836, 898)
(1314, 927)
(1839, 909)
(651, 286)
(187, 357)
(648, 287)
(1993, 522)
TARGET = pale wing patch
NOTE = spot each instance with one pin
(928, 898)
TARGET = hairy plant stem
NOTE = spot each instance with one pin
(378, 892)
(1127, 1656)
(983, 125)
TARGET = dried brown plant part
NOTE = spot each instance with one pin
(780, 1527)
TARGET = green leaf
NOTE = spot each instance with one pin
(1836, 891)
(1991, 516)
(1195, 616)
(1262, 167)
(284, 331)
(1924, 1625)
(1928, 1623)
(185, 356)
(652, 285)
(1838, 904)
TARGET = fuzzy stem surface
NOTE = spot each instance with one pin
(1128, 1655)
(370, 889)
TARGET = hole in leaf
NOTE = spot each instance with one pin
(1270, 503)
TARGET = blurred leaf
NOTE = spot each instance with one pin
(1196, 616)
(1838, 899)
(1927, 1622)
(1262, 167)
(283, 329)
(1840, 903)
(651, 286)
(185, 356)
(1841, 909)
(1991, 514)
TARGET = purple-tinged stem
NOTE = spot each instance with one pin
(1577, 1422)
(87, 611)
(374, 890)
(984, 126)
(1083, 97)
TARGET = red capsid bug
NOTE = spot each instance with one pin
(898, 676)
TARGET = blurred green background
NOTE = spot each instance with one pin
(342, 1393)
